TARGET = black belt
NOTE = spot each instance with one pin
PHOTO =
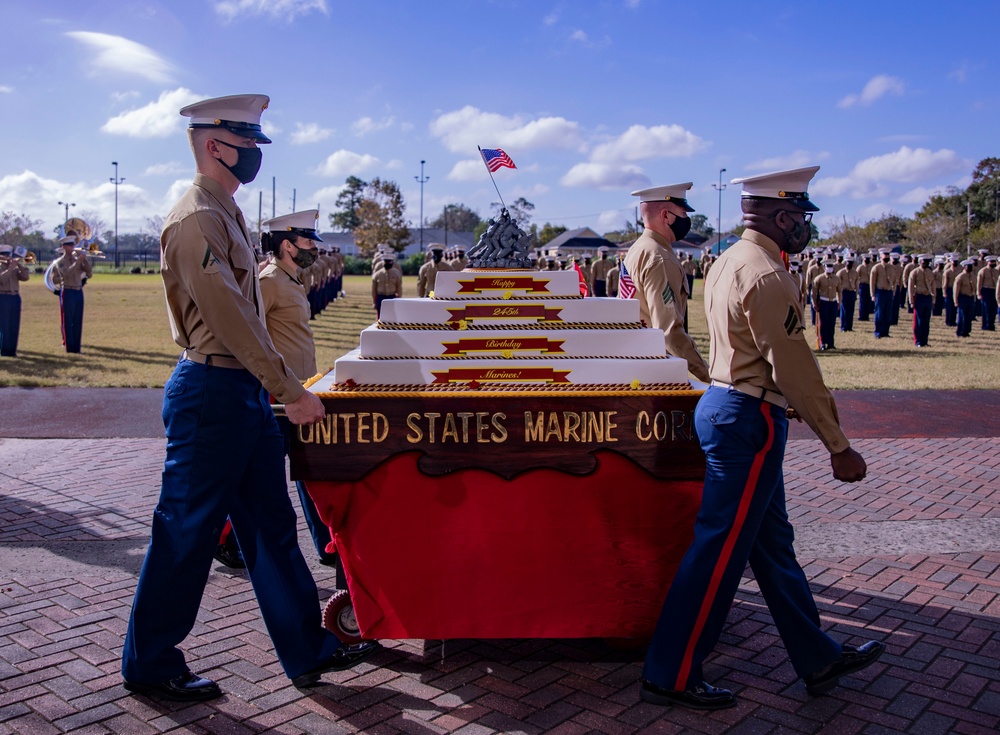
(223, 361)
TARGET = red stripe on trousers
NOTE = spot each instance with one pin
(727, 549)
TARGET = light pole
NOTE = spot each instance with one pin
(67, 205)
(116, 181)
(720, 187)
(422, 179)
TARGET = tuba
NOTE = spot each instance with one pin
(82, 232)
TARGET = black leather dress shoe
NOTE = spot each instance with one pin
(851, 659)
(230, 555)
(344, 658)
(701, 696)
(186, 688)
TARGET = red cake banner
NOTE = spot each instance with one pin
(503, 283)
(515, 344)
(534, 312)
(507, 375)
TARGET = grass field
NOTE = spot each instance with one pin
(126, 342)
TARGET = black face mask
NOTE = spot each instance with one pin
(247, 162)
(304, 258)
(437, 255)
(680, 227)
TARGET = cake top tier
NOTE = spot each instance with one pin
(507, 284)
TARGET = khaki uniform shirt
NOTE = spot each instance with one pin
(428, 272)
(938, 279)
(811, 272)
(987, 278)
(921, 283)
(690, 267)
(210, 279)
(388, 282)
(601, 268)
(661, 287)
(69, 273)
(849, 279)
(755, 326)
(706, 268)
(459, 263)
(799, 280)
(826, 287)
(896, 273)
(965, 284)
(286, 314)
(907, 270)
(613, 276)
(882, 277)
(950, 273)
(11, 276)
(863, 270)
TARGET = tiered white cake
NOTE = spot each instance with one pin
(509, 327)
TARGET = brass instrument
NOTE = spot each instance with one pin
(26, 257)
(79, 229)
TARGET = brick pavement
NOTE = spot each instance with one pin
(72, 543)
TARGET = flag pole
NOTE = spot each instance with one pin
(491, 176)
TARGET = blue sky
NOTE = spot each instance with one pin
(894, 100)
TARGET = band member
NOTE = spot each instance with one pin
(12, 272)
(68, 274)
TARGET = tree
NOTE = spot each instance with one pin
(699, 223)
(380, 218)
(627, 234)
(938, 233)
(457, 218)
(549, 233)
(346, 217)
(983, 194)
(20, 229)
(520, 211)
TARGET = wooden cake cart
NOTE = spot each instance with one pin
(505, 511)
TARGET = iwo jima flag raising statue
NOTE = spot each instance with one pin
(503, 244)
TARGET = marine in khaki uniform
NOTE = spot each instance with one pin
(938, 268)
(965, 297)
(986, 290)
(599, 273)
(814, 269)
(909, 265)
(826, 296)
(613, 276)
(69, 274)
(690, 270)
(865, 303)
(387, 282)
(225, 452)
(660, 285)
(795, 271)
(13, 273)
(760, 365)
(951, 271)
(849, 281)
(430, 269)
(920, 292)
(883, 287)
(896, 266)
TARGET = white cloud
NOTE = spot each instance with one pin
(797, 159)
(640, 143)
(36, 196)
(551, 19)
(876, 88)
(309, 133)
(6, 89)
(117, 54)
(166, 169)
(874, 211)
(849, 186)
(961, 74)
(606, 176)
(346, 163)
(909, 164)
(365, 125)
(277, 9)
(269, 128)
(579, 35)
(328, 193)
(156, 120)
(467, 171)
(395, 164)
(462, 130)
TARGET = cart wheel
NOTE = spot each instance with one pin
(338, 617)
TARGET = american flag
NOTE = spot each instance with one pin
(495, 159)
(626, 288)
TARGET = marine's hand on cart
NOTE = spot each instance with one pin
(306, 409)
(848, 466)
(791, 413)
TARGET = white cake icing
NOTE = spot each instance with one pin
(490, 284)
(529, 328)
